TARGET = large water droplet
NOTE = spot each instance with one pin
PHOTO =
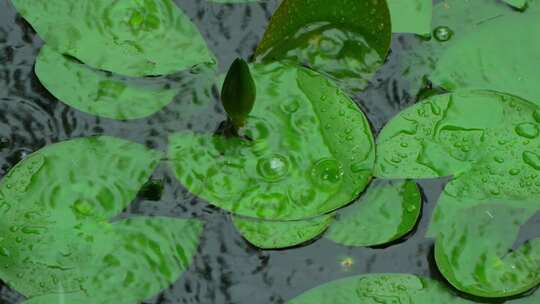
(532, 159)
(527, 130)
(273, 168)
(326, 173)
(443, 33)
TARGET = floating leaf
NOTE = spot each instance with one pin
(379, 288)
(281, 234)
(345, 39)
(472, 249)
(162, 247)
(134, 38)
(311, 151)
(97, 92)
(238, 92)
(411, 16)
(448, 134)
(387, 211)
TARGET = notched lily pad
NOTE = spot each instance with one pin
(134, 38)
(379, 288)
(344, 39)
(411, 16)
(386, 212)
(449, 134)
(311, 151)
(281, 234)
(99, 93)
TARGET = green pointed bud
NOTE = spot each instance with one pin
(238, 93)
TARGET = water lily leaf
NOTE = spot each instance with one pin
(519, 4)
(379, 288)
(387, 211)
(99, 93)
(134, 38)
(344, 39)
(448, 134)
(475, 59)
(411, 16)
(311, 151)
(281, 234)
(472, 249)
(45, 203)
(135, 248)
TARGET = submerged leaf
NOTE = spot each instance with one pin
(380, 288)
(97, 92)
(311, 151)
(134, 38)
(387, 211)
(411, 16)
(281, 234)
(344, 39)
(238, 92)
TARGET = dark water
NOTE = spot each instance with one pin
(227, 269)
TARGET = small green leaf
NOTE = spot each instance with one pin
(411, 16)
(519, 4)
(449, 134)
(238, 93)
(387, 211)
(344, 39)
(311, 151)
(97, 92)
(134, 38)
(281, 234)
(380, 288)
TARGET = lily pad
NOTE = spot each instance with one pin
(54, 219)
(388, 211)
(380, 288)
(472, 249)
(134, 38)
(449, 134)
(130, 250)
(411, 16)
(344, 39)
(281, 234)
(97, 92)
(311, 151)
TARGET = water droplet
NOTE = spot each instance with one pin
(326, 172)
(443, 33)
(273, 168)
(532, 159)
(527, 130)
(499, 159)
(290, 107)
(404, 145)
(83, 208)
(4, 252)
(536, 116)
(514, 171)
(411, 208)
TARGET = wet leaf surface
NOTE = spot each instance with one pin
(386, 212)
(311, 151)
(134, 38)
(413, 16)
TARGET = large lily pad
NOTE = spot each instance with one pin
(281, 234)
(387, 211)
(411, 16)
(97, 92)
(134, 38)
(473, 247)
(345, 39)
(311, 151)
(449, 134)
(379, 288)
(55, 205)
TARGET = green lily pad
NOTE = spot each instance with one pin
(411, 16)
(472, 248)
(344, 39)
(388, 211)
(379, 288)
(134, 38)
(134, 248)
(311, 151)
(475, 59)
(449, 134)
(281, 234)
(44, 198)
(99, 93)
